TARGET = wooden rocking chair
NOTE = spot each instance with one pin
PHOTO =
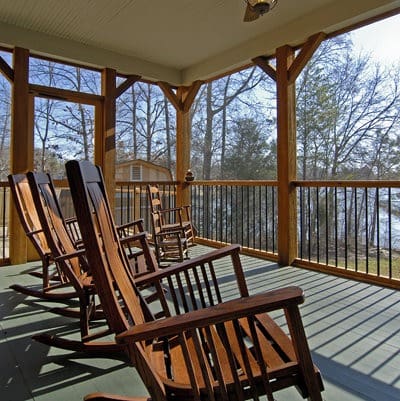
(169, 245)
(73, 264)
(177, 218)
(52, 281)
(208, 347)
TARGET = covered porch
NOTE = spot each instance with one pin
(352, 326)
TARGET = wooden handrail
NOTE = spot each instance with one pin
(348, 183)
(245, 183)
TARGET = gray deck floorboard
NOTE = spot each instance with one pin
(353, 331)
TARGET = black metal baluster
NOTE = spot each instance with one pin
(301, 212)
(317, 227)
(336, 228)
(390, 232)
(326, 227)
(309, 222)
(366, 232)
(345, 228)
(355, 231)
(378, 247)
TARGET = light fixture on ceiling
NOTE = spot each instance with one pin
(256, 8)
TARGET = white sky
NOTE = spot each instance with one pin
(381, 39)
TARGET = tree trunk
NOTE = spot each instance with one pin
(208, 137)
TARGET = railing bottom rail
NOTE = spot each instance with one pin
(350, 274)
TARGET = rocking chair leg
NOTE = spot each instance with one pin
(79, 346)
(75, 313)
(42, 293)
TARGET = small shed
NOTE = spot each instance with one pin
(141, 170)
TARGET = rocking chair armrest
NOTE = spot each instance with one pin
(283, 298)
(138, 223)
(188, 264)
(66, 256)
(179, 231)
(132, 238)
(34, 232)
(170, 210)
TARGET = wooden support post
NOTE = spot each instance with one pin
(21, 152)
(286, 142)
(182, 100)
(183, 140)
(288, 68)
(105, 138)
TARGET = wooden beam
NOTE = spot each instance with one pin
(171, 95)
(364, 22)
(286, 157)
(130, 80)
(228, 72)
(191, 95)
(306, 52)
(6, 70)
(64, 94)
(263, 63)
(184, 100)
(107, 134)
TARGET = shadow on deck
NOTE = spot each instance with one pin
(353, 331)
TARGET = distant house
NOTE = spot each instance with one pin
(141, 170)
(131, 202)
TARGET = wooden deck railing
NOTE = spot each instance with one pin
(243, 212)
(131, 200)
(350, 228)
(4, 233)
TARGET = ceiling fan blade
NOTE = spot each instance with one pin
(250, 14)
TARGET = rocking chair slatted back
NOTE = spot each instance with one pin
(212, 347)
(57, 235)
(54, 280)
(96, 222)
(70, 256)
(29, 219)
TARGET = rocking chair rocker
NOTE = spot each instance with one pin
(73, 264)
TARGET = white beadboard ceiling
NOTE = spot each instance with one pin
(178, 41)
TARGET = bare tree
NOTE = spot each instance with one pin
(145, 125)
(348, 121)
(63, 130)
(217, 106)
